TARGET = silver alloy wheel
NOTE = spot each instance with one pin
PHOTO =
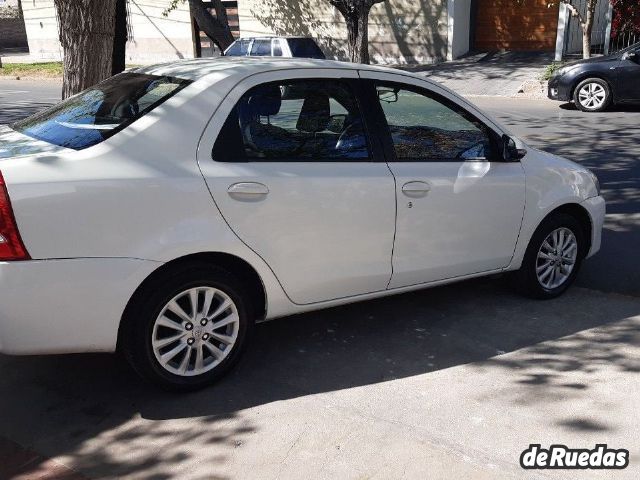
(195, 331)
(592, 96)
(556, 258)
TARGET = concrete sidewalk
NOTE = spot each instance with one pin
(487, 74)
(453, 382)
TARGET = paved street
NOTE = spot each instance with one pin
(452, 382)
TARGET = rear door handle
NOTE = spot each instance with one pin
(416, 189)
(248, 190)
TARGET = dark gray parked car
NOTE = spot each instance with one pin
(596, 83)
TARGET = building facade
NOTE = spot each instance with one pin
(400, 31)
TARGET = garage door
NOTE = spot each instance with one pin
(508, 25)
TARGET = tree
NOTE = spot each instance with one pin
(586, 23)
(626, 18)
(356, 16)
(216, 28)
(86, 29)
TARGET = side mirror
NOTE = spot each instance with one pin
(388, 95)
(510, 152)
(633, 56)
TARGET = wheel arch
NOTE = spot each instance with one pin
(580, 214)
(234, 264)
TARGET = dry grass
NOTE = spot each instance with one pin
(48, 70)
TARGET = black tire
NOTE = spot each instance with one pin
(584, 105)
(140, 316)
(526, 279)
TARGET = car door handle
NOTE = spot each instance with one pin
(248, 190)
(416, 189)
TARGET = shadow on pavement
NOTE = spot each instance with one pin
(12, 112)
(71, 404)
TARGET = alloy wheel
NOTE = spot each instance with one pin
(195, 331)
(592, 96)
(556, 258)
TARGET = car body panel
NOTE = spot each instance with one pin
(627, 84)
(60, 306)
(551, 183)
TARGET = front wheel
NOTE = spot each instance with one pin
(553, 258)
(592, 95)
(187, 327)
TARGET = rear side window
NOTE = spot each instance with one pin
(261, 48)
(294, 121)
(305, 48)
(99, 112)
(239, 48)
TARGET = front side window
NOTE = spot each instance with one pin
(424, 127)
(299, 120)
(99, 112)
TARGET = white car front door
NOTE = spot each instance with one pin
(294, 176)
(460, 206)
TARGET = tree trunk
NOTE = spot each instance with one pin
(86, 30)
(216, 28)
(118, 59)
(357, 22)
(587, 28)
(356, 16)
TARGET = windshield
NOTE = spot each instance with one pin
(101, 111)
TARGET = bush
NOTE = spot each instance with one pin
(550, 70)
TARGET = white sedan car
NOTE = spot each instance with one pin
(166, 210)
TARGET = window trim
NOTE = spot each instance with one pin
(355, 85)
(275, 43)
(383, 132)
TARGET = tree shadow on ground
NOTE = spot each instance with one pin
(73, 404)
(12, 112)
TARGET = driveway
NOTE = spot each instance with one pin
(453, 382)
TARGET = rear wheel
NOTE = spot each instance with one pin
(553, 257)
(592, 95)
(188, 327)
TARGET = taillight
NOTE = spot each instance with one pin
(11, 246)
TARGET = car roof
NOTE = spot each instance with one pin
(202, 68)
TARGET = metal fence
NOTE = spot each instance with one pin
(603, 41)
(623, 40)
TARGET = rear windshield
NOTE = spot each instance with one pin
(101, 111)
(305, 48)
